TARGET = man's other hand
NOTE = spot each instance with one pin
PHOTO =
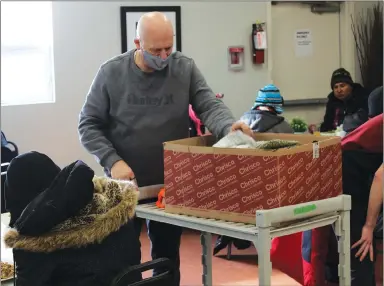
(365, 242)
(121, 171)
(243, 127)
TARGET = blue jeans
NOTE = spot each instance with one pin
(165, 243)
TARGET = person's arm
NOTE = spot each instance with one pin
(212, 111)
(375, 198)
(93, 120)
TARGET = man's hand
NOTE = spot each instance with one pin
(243, 127)
(365, 242)
(121, 171)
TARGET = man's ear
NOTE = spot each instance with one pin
(137, 43)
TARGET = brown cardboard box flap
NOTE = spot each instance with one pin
(203, 145)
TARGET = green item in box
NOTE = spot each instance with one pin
(275, 144)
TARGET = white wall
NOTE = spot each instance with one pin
(88, 33)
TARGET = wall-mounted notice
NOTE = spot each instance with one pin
(303, 43)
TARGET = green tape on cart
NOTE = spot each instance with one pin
(304, 209)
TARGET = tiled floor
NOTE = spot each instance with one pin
(240, 270)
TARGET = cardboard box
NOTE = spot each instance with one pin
(231, 184)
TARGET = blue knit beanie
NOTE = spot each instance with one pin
(270, 96)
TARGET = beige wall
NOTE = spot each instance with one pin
(88, 33)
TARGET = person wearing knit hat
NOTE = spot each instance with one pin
(265, 114)
(269, 96)
(347, 101)
(341, 76)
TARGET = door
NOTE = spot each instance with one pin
(305, 50)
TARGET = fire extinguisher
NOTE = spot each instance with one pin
(259, 43)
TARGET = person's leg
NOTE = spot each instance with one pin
(165, 243)
(221, 243)
(331, 268)
(362, 272)
(359, 168)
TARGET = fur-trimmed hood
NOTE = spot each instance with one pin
(112, 206)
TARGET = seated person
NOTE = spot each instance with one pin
(67, 226)
(347, 103)
(264, 116)
(362, 156)
(375, 102)
(367, 136)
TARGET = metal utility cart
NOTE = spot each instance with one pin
(269, 223)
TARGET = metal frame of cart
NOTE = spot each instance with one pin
(269, 223)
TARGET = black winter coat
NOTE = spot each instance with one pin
(337, 109)
(359, 168)
(91, 248)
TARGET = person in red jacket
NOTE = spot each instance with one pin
(361, 149)
(320, 259)
(368, 136)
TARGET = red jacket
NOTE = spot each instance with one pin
(368, 136)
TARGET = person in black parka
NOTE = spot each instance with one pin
(347, 103)
(68, 227)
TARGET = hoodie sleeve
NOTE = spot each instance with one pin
(214, 114)
(93, 120)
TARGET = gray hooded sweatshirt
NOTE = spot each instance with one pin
(265, 121)
(128, 114)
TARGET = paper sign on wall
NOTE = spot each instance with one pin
(303, 43)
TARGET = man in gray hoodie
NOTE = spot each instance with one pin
(139, 100)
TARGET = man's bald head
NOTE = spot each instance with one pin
(153, 23)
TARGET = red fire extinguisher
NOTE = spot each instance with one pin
(258, 43)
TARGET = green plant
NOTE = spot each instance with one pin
(298, 125)
(367, 31)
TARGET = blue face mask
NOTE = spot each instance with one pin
(155, 62)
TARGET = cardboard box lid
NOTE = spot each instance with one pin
(203, 144)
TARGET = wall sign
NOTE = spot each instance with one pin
(303, 43)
